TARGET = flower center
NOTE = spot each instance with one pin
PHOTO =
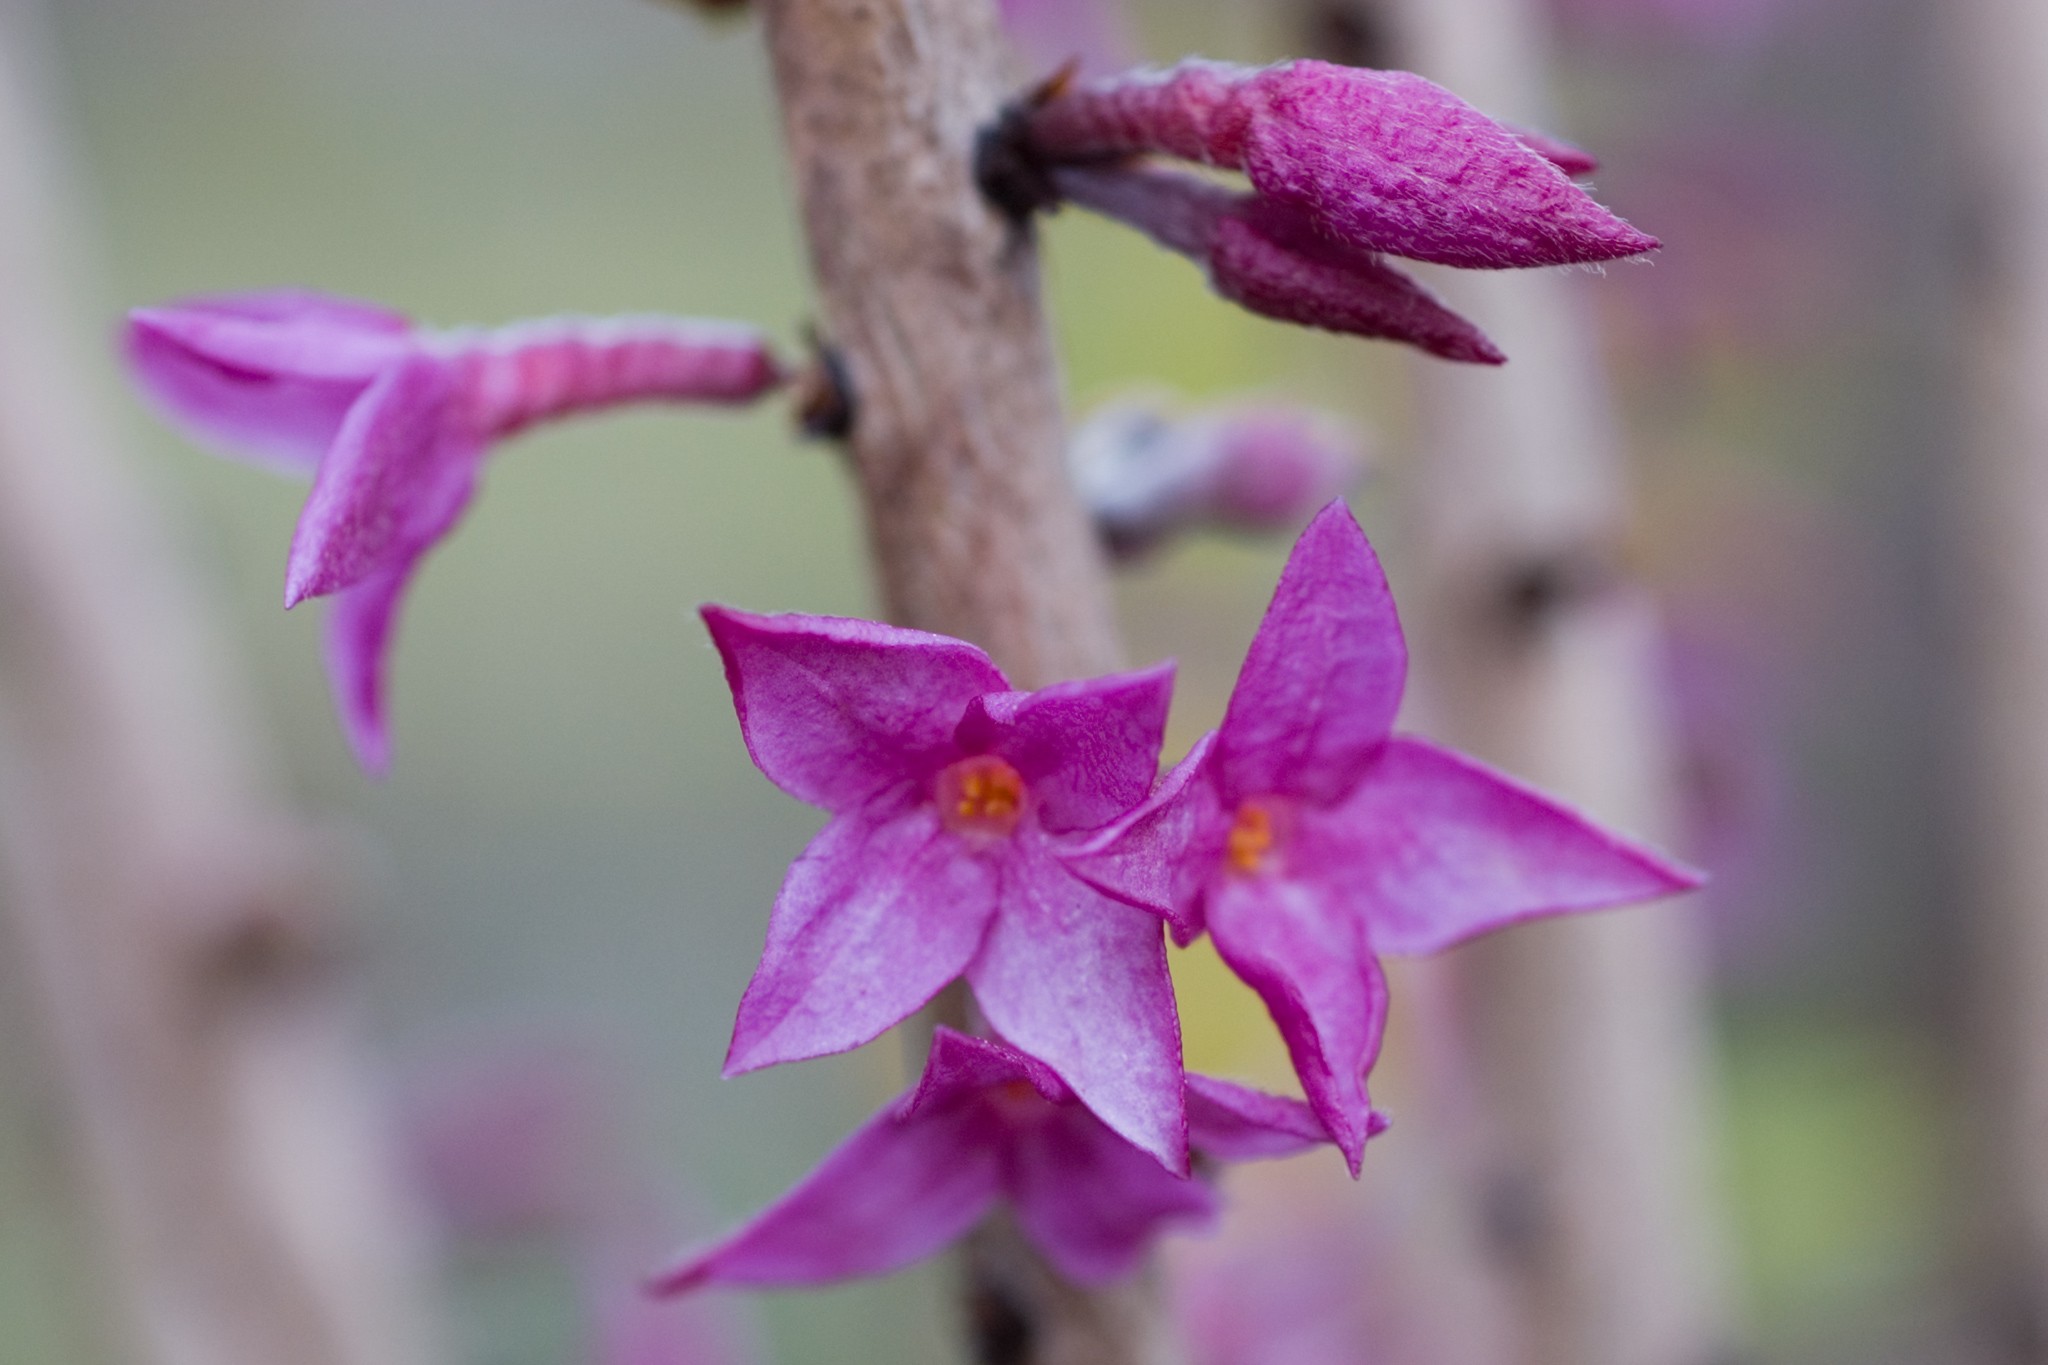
(1250, 844)
(981, 795)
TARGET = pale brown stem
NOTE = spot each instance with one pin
(930, 301)
(1585, 1036)
(2000, 70)
(176, 926)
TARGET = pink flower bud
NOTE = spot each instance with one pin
(1378, 161)
(1267, 259)
(1145, 476)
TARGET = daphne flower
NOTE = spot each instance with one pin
(960, 810)
(1379, 161)
(394, 422)
(987, 1123)
(1312, 839)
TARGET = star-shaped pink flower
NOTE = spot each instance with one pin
(1308, 839)
(960, 809)
(394, 423)
(987, 1123)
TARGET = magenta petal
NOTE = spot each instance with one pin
(1441, 848)
(881, 911)
(1079, 981)
(1316, 697)
(358, 633)
(1309, 961)
(1092, 1202)
(895, 1192)
(270, 376)
(396, 479)
(1150, 857)
(836, 710)
(1388, 161)
(1087, 750)
(1231, 1122)
(961, 1067)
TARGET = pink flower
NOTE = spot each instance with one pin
(963, 813)
(988, 1123)
(1377, 161)
(394, 423)
(1308, 839)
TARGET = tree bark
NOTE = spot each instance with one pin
(1999, 69)
(930, 307)
(1587, 1035)
(177, 926)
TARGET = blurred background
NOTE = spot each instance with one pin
(564, 882)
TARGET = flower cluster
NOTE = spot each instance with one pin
(1019, 840)
(1024, 842)
(1346, 165)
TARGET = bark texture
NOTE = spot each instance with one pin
(178, 927)
(930, 304)
(1585, 1036)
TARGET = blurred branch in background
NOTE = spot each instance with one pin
(2000, 75)
(177, 923)
(1587, 1091)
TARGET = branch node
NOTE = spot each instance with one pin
(1009, 173)
(826, 405)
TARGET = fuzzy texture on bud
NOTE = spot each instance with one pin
(1378, 161)
(1269, 260)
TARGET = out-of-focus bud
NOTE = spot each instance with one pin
(1145, 475)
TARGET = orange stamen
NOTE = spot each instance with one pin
(1251, 838)
(982, 795)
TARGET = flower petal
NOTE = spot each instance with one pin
(881, 911)
(357, 638)
(1091, 1202)
(397, 478)
(1441, 848)
(1157, 857)
(1230, 1122)
(895, 1192)
(1079, 981)
(962, 1067)
(1323, 678)
(836, 710)
(270, 376)
(1088, 750)
(1309, 961)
